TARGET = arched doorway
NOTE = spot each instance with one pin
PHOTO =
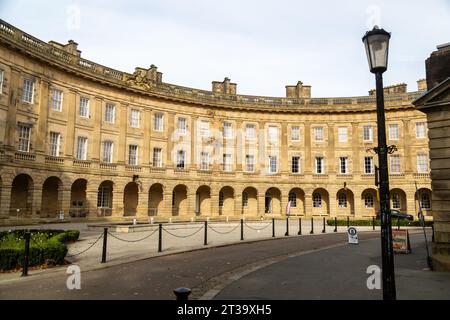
(78, 203)
(273, 201)
(51, 201)
(155, 198)
(226, 201)
(179, 200)
(297, 198)
(21, 195)
(321, 202)
(423, 201)
(250, 201)
(370, 202)
(398, 200)
(105, 198)
(345, 202)
(203, 201)
(130, 199)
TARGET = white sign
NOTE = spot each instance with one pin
(352, 235)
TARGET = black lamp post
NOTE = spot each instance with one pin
(376, 43)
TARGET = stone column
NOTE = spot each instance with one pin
(142, 208)
(261, 202)
(71, 104)
(166, 206)
(308, 162)
(91, 199)
(308, 203)
(11, 122)
(121, 117)
(96, 113)
(5, 200)
(237, 203)
(214, 202)
(36, 202)
(191, 199)
(41, 125)
(65, 194)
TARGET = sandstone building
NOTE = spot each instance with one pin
(81, 137)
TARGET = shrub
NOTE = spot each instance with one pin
(368, 223)
(46, 247)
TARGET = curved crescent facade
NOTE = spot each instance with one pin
(93, 141)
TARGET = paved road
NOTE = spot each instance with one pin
(155, 278)
(340, 273)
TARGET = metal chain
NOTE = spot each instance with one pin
(183, 236)
(257, 229)
(125, 240)
(77, 254)
(219, 232)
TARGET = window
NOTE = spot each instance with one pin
(227, 162)
(396, 204)
(84, 108)
(157, 157)
(368, 200)
(342, 134)
(244, 199)
(227, 130)
(180, 159)
(57, 99)
(273, 164)
(320, 165)
(342, 200)
(293, 199)
(158, 122)
(368, 165)
(104, 197)
(204, 129)
(24, 138)
(367, 133)
(2, 76)
(82, 148)
(108, 151)
(393, 132)
(295, 133)
(28, 91)
(135, 118)
(110, 113)
(273, 133)
(422, 163)
(421, 130)
(425, 202)
(182, 125)
(250, 133)
(295, 164)
(221, 198)
(395, 164)
(55, 139)
(317, 200)
(204, 161)
(318, 134)
(343, 165)
(133, 154)
(249, 163)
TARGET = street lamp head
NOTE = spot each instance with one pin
(376, 43)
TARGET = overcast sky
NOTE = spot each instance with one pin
(260, 45)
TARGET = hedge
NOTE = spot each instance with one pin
(368, 223)
(48, 248)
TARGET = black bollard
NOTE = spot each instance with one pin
(348, 222)
(205, 242)
(323, 230)
(160, 238)
(105, 244)
(299, 226)
(242, 229)
(273, 227)
(312, 226)
(373, 223)
(398, 223)
(26, 257)
(182, 294)
(335, 224)
(287, 226)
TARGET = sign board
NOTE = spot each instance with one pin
(352, 235)
(400, 241)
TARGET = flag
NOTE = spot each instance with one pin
(288, 208)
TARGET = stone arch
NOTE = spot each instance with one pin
(51, 197)
(250, 201)
(155, 199)
(370, 203)
(179, 200)
(78, 201)
(21, 195)
(130, 199)
(203, 201)
(323, 202)
(423, 201)
(105, 198)
(345, 202)
(273, 201)
(226, 201)
(398, 200)
(297, 207)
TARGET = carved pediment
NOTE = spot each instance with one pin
(144, 78)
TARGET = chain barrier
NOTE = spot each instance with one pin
(125, 240)
(257, 229)
(219, 232)
(187, 236)
(77, 254)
